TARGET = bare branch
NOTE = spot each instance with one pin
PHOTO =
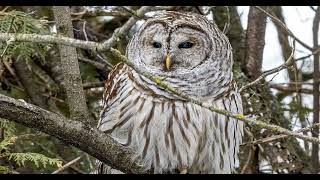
(67, 165)
(96, 64)
(307, 56)
(123, 30)
(278, 137)
(285, 65)
(316, 83)
(101, 12)
(285, 28)
(291, 89)
(93, 85)
(59, 157)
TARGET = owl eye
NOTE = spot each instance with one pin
(156, 45)
(185, 45)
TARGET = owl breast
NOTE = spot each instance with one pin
(167, 134)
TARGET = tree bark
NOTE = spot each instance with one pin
(316, 77)
(76, 133)
(27, 79)
(263, 103)
(72, 82)
(255, 42)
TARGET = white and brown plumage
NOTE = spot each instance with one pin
(165, 131)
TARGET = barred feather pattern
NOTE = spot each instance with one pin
(168, 134)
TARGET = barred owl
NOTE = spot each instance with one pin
(166, 132)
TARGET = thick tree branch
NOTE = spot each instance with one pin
(88, 139)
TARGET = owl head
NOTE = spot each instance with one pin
(182, 46)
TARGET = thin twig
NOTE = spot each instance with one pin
(108, 65)
(59, 157)
(249, 157)
(123, 30)
(285, 65)
(291, 89)
(279, 22)
(93, 85)
(67, 165)
(5, 49)
(98, 12)
(277, 137)
(307, 56)
(96, 64)
(132, 12)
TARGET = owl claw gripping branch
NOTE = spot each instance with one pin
(165, 132)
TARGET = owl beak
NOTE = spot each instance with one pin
(168, 61)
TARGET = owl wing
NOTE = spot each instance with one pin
(115, 84)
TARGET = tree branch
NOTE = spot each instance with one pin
(285, 65)
(287, 30)
(255, 42)
(291, 89)
(67, 165)
(88, 139)
(96, 64)
(277, 137)
(316, 77)
(123, 30)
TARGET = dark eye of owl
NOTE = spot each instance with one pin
(185, 45)
(156, 45)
